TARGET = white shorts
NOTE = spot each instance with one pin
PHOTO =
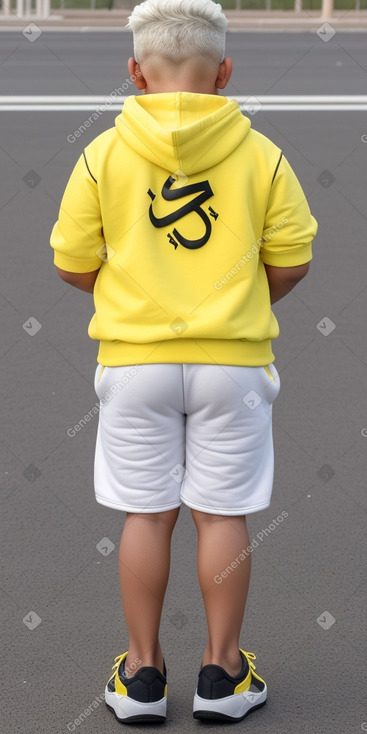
(200, 434)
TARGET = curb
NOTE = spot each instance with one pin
(245, 20)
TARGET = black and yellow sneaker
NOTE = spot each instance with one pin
(143, 697)
(222, 697)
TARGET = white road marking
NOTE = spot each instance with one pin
(52, 103)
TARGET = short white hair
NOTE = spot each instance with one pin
(178, 29)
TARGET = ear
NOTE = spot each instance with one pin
(224, 73)
(135, 73)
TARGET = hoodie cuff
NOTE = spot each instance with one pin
(298, 255)
(76, 264)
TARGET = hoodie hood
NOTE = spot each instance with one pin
(182, 130)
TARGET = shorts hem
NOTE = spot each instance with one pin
(129, 508)
(224, 510)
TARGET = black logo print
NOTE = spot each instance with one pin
(204, 192)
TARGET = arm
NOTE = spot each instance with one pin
(288, 232)
(77, 237)
(83, 281)
(282, 280)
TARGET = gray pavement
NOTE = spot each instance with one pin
(96, 63)
(62, 622)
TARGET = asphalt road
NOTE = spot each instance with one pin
(95, 63)
(62, 622)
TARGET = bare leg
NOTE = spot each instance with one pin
(220, 541)
(144, 564)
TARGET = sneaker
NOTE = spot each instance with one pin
(143, 697)
(224, 697)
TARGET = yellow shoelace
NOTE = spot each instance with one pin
(117, 664)
(250, 656)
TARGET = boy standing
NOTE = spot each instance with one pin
(186, 225)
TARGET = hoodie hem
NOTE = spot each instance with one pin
(237, 352)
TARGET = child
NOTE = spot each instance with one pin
(185, 224)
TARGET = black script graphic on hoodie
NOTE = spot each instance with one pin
(204, 192)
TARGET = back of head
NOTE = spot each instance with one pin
(178, 30)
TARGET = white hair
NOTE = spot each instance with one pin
(178, 29)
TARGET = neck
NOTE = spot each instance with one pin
(176, 86)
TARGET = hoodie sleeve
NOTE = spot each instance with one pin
(77, 236)
(289, 227)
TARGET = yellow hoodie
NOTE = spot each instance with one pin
(179, 206)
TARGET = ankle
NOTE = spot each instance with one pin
(135, 661)
(231, 661)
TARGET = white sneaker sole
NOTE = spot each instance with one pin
(128, 710)
(230, 708)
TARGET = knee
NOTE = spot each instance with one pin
(205, 518)
(167, 518)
